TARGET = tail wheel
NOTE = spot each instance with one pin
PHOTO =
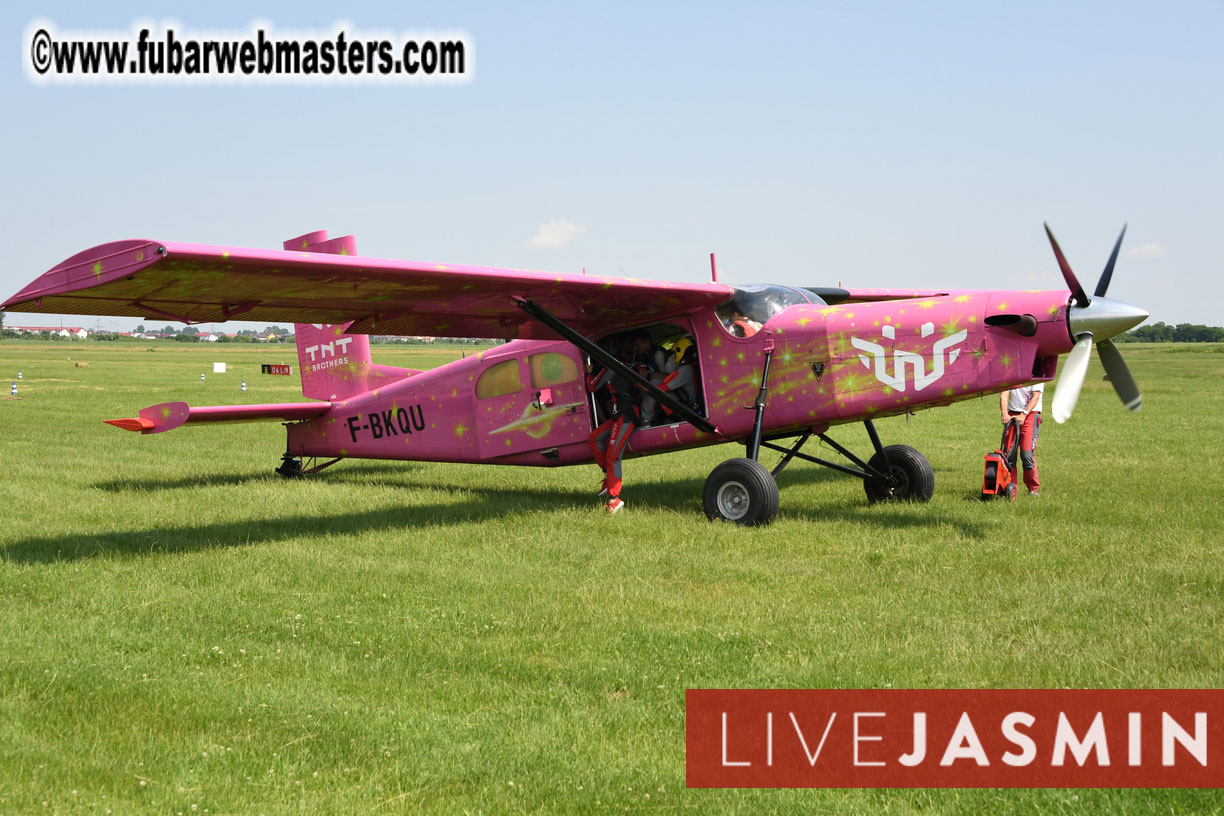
(1011, 492)
(742, 491)
(912, 476)
(290, 468)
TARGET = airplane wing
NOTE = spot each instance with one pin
(197, 283)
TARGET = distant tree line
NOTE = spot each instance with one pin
(1181, 333)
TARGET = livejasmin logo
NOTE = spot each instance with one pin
(951, 738)
(903, 359)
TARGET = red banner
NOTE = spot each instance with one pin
(949, 738)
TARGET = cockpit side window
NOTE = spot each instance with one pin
(751, 307)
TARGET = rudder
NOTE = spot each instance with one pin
(334, 364)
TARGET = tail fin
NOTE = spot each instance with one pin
(336, 365)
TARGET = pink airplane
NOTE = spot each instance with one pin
(764, 363)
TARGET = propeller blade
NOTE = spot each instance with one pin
(1077, 291)
(1103, 283)
(1119, 375)
(1072, 379)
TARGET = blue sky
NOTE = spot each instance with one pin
(867, 144)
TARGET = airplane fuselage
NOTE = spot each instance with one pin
(526, 403)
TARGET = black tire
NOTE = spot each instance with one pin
(742, 491)
(290, 469)
(912, 472)
(1011, 491)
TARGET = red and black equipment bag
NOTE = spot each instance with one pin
(1000, 476)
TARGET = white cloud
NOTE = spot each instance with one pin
(1147, 251)
(555, 234)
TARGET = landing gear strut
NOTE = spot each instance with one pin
(741, 490)
(893, 473)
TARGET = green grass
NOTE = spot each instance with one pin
(182, 632)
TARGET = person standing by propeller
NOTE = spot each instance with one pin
(1024, 405)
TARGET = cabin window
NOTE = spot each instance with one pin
(551, 369)
(499, 379)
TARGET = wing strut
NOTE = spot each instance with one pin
(664, 397)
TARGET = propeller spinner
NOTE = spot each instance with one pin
(1095, 320)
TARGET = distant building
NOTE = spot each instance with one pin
(62, 331)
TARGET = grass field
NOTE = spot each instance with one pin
(181, 632)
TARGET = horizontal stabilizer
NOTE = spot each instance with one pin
(170, 415)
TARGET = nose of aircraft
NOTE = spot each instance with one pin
(1104, 318)
(1090, 321)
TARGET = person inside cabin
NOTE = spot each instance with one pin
(1024, 404)
(651, 362)
(736, 322)
(681, 376)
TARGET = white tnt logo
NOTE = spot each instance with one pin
(326, 350)
(902, 358)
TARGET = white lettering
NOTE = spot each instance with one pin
(964, 744)
(812, 757)
(1028, 748)
(769, 739)
(1171, 731)
(1134, 745)
(1065, 737)
(726, 762)
(858, 738)
(919, 752)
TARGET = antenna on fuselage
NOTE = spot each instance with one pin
(713, 268)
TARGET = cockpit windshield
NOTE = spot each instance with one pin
(752, 306)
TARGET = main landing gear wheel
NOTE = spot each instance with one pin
(742, 491)
(914, 479)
